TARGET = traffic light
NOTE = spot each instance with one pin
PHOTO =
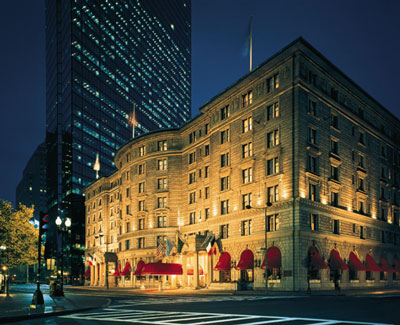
(43, 223)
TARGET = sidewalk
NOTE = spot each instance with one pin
(16, 307)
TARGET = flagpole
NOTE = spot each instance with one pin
(251, 43)
(133, 121)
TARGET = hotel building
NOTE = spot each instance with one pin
(294, 154)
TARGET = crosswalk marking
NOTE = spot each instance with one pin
(196, 318)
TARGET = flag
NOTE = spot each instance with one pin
(96, 165)
(219, 244)
(213, 249)
(180, 245)
(169, 247)
(160, 248)
(132, 120)
(246, 44)
(208, 242)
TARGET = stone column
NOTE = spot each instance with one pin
(196, 270)
(209, 269)
(184, 268)
(92, 273)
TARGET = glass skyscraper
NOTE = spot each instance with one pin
(102, 57)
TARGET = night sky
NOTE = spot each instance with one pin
(359, 37)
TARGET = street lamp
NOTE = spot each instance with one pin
(269, 204)
(101, 235)
(62, 230)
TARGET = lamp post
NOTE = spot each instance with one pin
(269, 204)
(101, 235)
(61, 230)
(6, 275)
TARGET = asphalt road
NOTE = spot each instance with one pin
(229, 310)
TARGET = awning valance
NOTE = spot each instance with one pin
(335, 261)
(274, 260)
(117, 271)
(246, 261)
(371, 264)
(355, 264)
(386, 266)
(190, 270)
(87, 273)
(160, 268)
(127, 269)
(224, 262)
(315, 260)
(396, 264)
(139, 268)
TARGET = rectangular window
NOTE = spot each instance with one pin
(361, 138)
(335, 199)
(247, 150)
(247, 124)
(247, 175)
(128, 227)
(161, 221)
(207, 213)
(312, 192)
(361, 184)
(192, 177)
(273, 82)
(335, 121)
(128, 192)
(192, 137)
(361, 161)
(128, 209)
(141, 187)
(273, 222)
(335, 173)
(247, 99)
(141, 225)
(162, 145)
(273, 194)
(192, 197)
(142, 151)
(246, 201)
(246, 228)
(192, 157)
(224, 136)
(141, 242)
(141, 169)
(161, 202)
(272, 166)
(224, 183)
(334, 147)
(207, 150)
(127, 244)
(141, 206)
(225, 207)
(314, 222)
(272, 139)
(312, 164)
(207, 193)
(312, 136)
(312, 108)
(224, 112)
(336, 226)
(225, 159)
(362, 232)
(272, 111)
(162, 164)
(206, 128)
(224, 231)
(192, 218)
(206, 171)
(161, 183)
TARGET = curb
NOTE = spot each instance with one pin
(12, 319)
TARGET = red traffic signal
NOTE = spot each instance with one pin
(43, 221)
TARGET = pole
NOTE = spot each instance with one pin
(251, 43)
(62, 263)
(266, 245)
(37, 299)
(105, 258)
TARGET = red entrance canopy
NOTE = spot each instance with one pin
(335, 261)
(127, 269)
(87, 273)
(139, 268)
(162, 268)
(371, 264)
(386, 266)
(274, 260)
(355, 263)
(190, 270)
(315, 260)
(224, 262)
(396, 265)
(246, 261)
(117, 271)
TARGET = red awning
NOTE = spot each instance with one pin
(371, 264)
(190, 270)
(162, 268)
(355, 264)
(127, 269)
(315, 260)
(386, 266)
(246, 261)
(87, 273)
(224, 262)
(117, 271)
(139, 268)
(335, 261)
(396, 264)
(274, 260)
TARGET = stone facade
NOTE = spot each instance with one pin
(295, 132)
